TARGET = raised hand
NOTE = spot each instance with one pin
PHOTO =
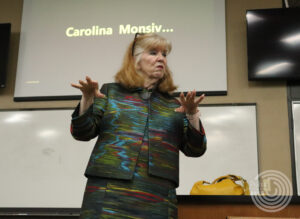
(89, 88)
(189, 104)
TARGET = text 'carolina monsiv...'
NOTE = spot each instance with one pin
(96, 30)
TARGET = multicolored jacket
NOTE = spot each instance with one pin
(119, 120)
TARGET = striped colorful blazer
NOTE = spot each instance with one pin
(119, 120)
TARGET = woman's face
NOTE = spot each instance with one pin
(153, 63)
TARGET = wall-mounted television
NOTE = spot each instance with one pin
(273, 40)
(4, 45)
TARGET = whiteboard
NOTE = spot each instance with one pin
(231, 148)
(48, 52)
(296, 122)
(42, 166)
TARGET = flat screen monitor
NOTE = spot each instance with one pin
(273, 38)
(4, 45)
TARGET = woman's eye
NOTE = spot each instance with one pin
(153, 52)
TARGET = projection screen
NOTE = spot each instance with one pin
(62, 41)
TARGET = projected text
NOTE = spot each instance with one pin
(122, 30)
(94, 31)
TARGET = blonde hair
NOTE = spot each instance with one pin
(128, 75)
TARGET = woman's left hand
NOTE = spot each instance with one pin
(189, 104)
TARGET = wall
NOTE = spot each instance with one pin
(11, 12)
(271, 97)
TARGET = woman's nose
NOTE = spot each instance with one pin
(160, 56)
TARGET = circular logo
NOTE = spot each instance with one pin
(276, 191)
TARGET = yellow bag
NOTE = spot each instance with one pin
(224, 185)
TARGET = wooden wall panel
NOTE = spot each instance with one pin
(221, 211)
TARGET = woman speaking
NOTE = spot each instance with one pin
(133, 170)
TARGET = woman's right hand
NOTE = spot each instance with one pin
(89, 88)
